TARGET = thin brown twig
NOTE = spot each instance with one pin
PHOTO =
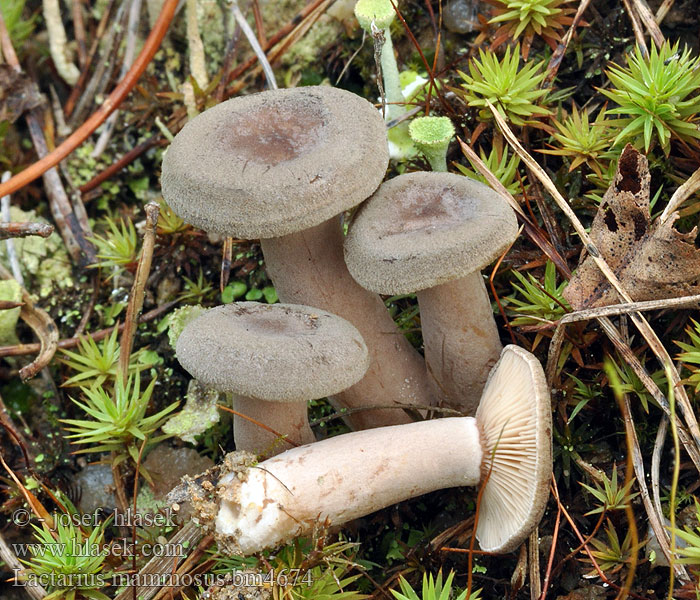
(529, 225)
(119, 164)
(32, 587)
(636, 27)
(137, 291)
(43, 326)
(110, 104)
(662, 11)
(20, 230)
(586, 549)
(558, 54)
(258, 424)
(79, 31)
(69, 106)
(647, 17)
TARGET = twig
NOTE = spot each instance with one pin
(10, 245)
(119, 490)
(186, 565)
(118, 165)
(656, 462)
(198, 63)
(608, 311)
(635, 455)
(647, 17)
(104, 67)
(533, 547)
(187, 537)
(44, 328)
(137, 291)
(72, 342)
(550, 560)
(663, 10)
(9, 425)
(32, 587)
(9, 230)
(687, 189)
(586, 549)
(530, 227)
(640, 322)
(226, 258)
(558, 54)
(255, 45)
(129, 51)
(674, 486)
(79, 30)
(293, 24)
(71, 232)
(636, 27)
(69, 105)
(110, 104)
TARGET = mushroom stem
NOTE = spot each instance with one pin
(309, 268)
(288, 417)
(507, 446)
(345, 477)
(460, 338)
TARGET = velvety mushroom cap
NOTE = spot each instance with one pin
(515, 420)
(274, 352)
(276, 162)
(422, 229)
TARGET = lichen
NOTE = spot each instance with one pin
(198, 415)
(179, 318)
(44, 261)
(307, 50)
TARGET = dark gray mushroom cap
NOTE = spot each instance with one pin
(422, 229)
(276, 162)
(274, 352)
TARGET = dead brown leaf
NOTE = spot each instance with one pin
(18, 93)
(651, 260)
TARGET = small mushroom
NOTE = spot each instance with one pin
(273, 358)
(432, 233)
(506, 448)
(282, 165)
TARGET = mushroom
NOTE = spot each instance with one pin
(432, 233)
(282, 165)
(506, 449)
(273, 358)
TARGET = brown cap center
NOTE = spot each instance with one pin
(273, 323)
(426, 209)
(274, 134)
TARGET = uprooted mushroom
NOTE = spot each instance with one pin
(506, 449)
(282, 165)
